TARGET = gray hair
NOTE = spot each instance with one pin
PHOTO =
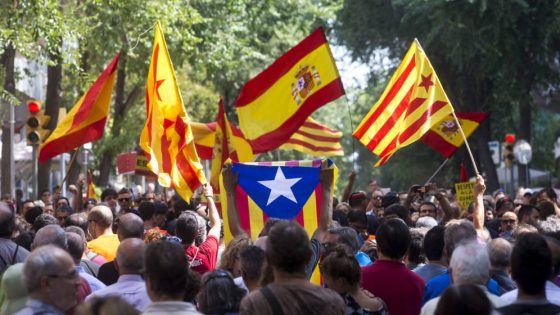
(51, 235)
(426, 222)
(470, 264)
(130, 255)
(347, 236)
(499, 251)
(550, 225)
(42, 261)
(457, 232)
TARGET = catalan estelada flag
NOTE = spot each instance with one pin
(167, 137)
(315, 139)
(288, 190)
(275, 103)
(412, 103)
(445, 136)
(86, 121)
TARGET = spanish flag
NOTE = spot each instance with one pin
(86, 121)
(205, 137)
(445, 137)
(167, 137)
(315, 139)
(275, 103)
(90, 187)
(412, 103)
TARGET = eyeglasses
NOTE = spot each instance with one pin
(70, 276)
(218, 274)
(124, 199)
(508, 221)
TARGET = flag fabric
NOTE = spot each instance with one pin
(275, 103)
(90, 187)
(445, 136)
(167, 137)
(315, 139)
(205, 137)
(86, 121)
(463, 178)
(288, 190)
(413, 101)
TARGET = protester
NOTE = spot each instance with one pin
(252, 259)
(433, 248)
(499, 251)
(464, 299)
(219, 293)
(10, 252)
(230, 260)
(104, 242)
(76, 251)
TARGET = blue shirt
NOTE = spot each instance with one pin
(429, 271)
(33, 306)
(437, 285)
(130, 288)
(93, 282)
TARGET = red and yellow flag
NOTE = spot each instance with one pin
(86, 121)
(275, 103)
(315, 139)
(412, 103)
(445, 136)
(167, 137)
(90, 187)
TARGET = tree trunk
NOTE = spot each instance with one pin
(488, 167)
(52, 104)
(7, 138)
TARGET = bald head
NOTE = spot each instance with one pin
(130, 226)
(130, 256)
(499, 252)
(7, 221)
(101, 215)
(50, 235)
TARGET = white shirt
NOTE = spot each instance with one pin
(552, 294)
(430, 307)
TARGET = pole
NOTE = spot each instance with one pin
(466, 143)
(70, 165)
(62, 172)
(527, 179)
(35, 193)
(12, 175)
(86, 161)
(436, 172)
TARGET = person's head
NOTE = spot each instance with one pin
(187, 227)
(51, 234)
(100, 220)
(415, 254)
(230, 257)
(180, 206)
(340, 270)
(32, 213)
(130, 256)
(427, 222)
(252, 260)
(78, 220)
(89, 203)
(62, 201)
(75, 246)
(109, 196)
(7, 221)
(49, 275)
(457, 232)
(522, 229)
(531, 263)
(547, 194)
(130, 226)
(27, 204)
(161, 213)
(458, 300)
(287, 248)
(343, 207)
(147, 210)
(358, 221)
(397, 211)
(124, 198)
(110, 305)
(46, 196)
(43, 220)
(434, 243)
(428, 209)
(470, 264)
(377, 197)
(499, 251)
(393, 239)
(48, 209)
(488, 214)
(219, 294)
(528, 214)
(165, 271)
(62, 212)
(358, 200)
(508, 221)
(340, 235)
(546, 209)
(504, 205)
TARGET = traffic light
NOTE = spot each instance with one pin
(508, 150)
(35, 123)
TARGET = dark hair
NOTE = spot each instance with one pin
(75, 245)
(549, 192)
(43, 191)
(43, 220)
(63, 198)
(90, 201)
(531, 263)
(7, 221)
(464, 299)
(415, 254)
(393, 238)
(268, 225)
(124, 190)
(147, 210)
(339, 263)
(504, 202)
(64, 208)
(400, 211)
(357, 216)
(166, 265)
(192, 286)
(425, 202)
(434, 243)
(186, 227)
(219, 294)
(347, 236)
(78, 220)
(180, 205)
(32, 214)
(287, 247)
(108, 192)
(161, 208)
(389, 199)
(525, 210)
(546, 209)
(252, 259)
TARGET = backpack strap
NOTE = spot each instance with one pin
(272, 301)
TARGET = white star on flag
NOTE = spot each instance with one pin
(280, 186)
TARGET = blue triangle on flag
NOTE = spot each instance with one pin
(280, 191)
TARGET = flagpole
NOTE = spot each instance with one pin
(466, 143)
(70, 165)
(436, 172)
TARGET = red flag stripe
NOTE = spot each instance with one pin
(312, 125)
(414, 127)
(439, 144)
(316, 137)
(313, 147)
(242, 203)
(387, 100)
(187, 172)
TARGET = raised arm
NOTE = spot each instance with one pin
(78, 200)
(478, 211)
(348, 189)
(215, 223)
(230, 181)
(325, 220)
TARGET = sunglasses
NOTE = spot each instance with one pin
(124, 199)
(508, 221)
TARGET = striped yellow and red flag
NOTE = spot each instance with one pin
(205, 136)
(90, 194)
(167, 137)
(445, 137)
(412, 103)
(86, 121)
(315, 139)
(275, 103)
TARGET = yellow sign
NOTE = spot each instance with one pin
(465, 194)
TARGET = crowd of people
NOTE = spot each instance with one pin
(377, 251)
